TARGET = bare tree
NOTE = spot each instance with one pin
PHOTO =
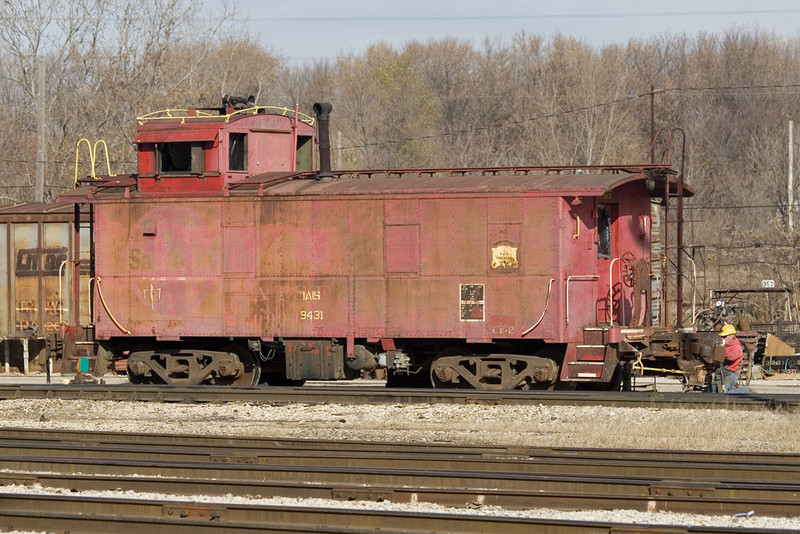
(102, 57)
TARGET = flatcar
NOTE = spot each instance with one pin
(237, 255)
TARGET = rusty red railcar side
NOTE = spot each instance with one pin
(224, 261)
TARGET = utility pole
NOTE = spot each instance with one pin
(652, 124)
(791, 175)
(41, 125)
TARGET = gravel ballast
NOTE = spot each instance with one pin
(548, 426)
(633, 428)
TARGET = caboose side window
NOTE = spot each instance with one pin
(237, 152)
(180, 158)
(603, 232)
(305, 153)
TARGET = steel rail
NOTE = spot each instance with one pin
(380, 395)
(568, 493)
(548, 475)
(467, 476)
(253, 445)
(651, 465)
(85, 514)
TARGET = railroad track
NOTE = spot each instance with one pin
(380, 395)
(460, 476)
(136, 516)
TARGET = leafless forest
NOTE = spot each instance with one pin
(88, 68)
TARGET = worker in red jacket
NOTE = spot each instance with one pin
(728, 372)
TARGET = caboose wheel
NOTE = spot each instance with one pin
(249, 370)
(138, 372)
(556, 355)
(443, 376)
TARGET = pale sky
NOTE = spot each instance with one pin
(304, 30)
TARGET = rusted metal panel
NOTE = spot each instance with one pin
(84, 254)
(538, 302)
(171, 134)
(576, 236)
(476, 266)
(6, 327)
(187, 237)
(301, 245)
(402, 249)
(270, 151)
(371, 306)
(506, 209)
(238, 249)
(540, 225)
(57, 276)
(304, 239)
(299, 308)
(401, 211)
(167, 280)
(403, 300)
(26, 278)
(316, 307)
(287, 232)
(330, 251)
(366, 237)
(167, 307)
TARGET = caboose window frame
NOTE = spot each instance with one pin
(180, 158)
(603, 232)
(237, 151)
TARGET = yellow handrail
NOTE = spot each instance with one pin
(183, 114)
(546, 305)
(77, 157)
(166, 114)
(92, 157)
(108, 161)
(105, 306)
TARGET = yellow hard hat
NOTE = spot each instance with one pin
(727, 330)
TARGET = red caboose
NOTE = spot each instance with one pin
(222, 261)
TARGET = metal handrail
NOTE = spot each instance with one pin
(566, 170)
(183, 114)
(199, 114)
(694, 286)
(92, 157)
(60, 296)
(611, 291)
(544, 312)
(584, 277)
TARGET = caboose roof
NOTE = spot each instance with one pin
(420, 182)
(428, 181)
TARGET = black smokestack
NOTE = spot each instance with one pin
(322, 110)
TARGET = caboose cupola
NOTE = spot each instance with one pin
(206, 149)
